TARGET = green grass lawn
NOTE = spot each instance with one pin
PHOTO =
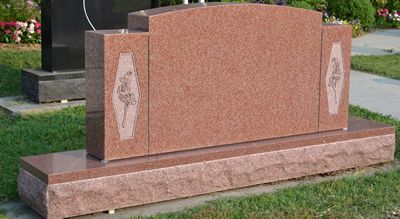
(388, 65)
(11, 63)
(355, 197)
(37, 134)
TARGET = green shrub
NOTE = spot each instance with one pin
(352, 10)
(301, 4)
(356, 30)
(392, 5)
(318, 5)
(170, 2)
(19, 10)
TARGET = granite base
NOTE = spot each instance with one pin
(72, 183)
(41, 86)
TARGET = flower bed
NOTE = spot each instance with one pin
(20, 32)
(387, 18)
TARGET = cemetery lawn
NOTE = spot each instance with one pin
(36, 134)
(388, 65)
(11, 63)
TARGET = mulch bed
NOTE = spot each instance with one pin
(19, 47)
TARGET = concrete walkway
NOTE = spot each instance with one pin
(376, 93)
(382, 42)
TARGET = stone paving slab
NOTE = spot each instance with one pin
(376, 93)
(381, 42)
(18, 105)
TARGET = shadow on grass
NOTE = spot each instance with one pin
(10, 83)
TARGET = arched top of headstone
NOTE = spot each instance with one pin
(144, 19)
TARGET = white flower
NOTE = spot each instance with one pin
(18, 39)
(31, 28)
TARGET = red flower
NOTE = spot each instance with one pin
(37, 25)
(7, 31)
(38, 31)
(2, 24)
(383, 12)
(12, 23)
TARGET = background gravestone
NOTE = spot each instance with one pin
(64, 23)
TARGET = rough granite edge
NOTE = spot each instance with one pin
(33, 192)
(126, 190)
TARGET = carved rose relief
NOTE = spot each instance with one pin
(126, 95)
(335, 78)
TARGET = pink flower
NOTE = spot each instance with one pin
(2, 24)
(37, 25)
(16, 38)
(32, 4)
(38, 31)
(7, 31)
(22, 25)
(17, 33)
(383, 12)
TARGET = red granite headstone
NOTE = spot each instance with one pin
(211, 80)
(201, 98)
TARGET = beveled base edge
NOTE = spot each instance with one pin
(156, 185)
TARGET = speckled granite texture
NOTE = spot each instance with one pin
(335, 34)
(103, 137)
(160, 184)
(225, 74)
(214, 77)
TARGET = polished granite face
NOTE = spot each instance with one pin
(216, 78)
(197, 88)
(76, 165)
(64, 24)
(335, 80)
(117, 77)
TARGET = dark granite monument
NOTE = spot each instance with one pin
(63, 41)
